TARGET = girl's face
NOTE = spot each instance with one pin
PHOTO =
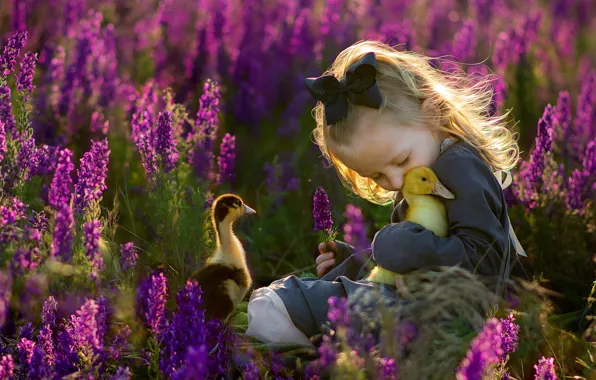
(383, 150)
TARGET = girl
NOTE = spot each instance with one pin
(380, 113)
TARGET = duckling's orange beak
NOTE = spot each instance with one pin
(442, 191)
(248, 210)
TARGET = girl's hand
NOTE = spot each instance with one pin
(326, 259)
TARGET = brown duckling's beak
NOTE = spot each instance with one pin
(248, 210)
(442, 191)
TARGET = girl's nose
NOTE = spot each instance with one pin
(396, 180)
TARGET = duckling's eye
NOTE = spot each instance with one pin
(424, 179)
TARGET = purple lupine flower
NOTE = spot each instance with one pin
(484, 352)
(195, 364)
(506, 376)
(2, 141)
(120, 343)
(92, 175)
(25, 348)
(151, 301)
(6, 110)
(46, 343)
(387, 369)
(38, 366)
(99, 124)
(46, 159)
(128, 256)
(123, 373)
(25, 259)
(338, 311)
(204, 131)
(48, 313)
(585, 109)
(12, 49)
(142, 136)
(510, 331)
(581, 180)
(251, 371)
(165, 144)
(533, 170)
(5, 294)
(226, 159)
(25, 77)
(322, 211)
(6, 367)
(82, 329)
(28, 160)
(327, 353)
(26, 331)
(354, 229)
(92, 231)
(39, 221)
(11, 213)
(464, 42)
(103, 315)
(545, 369)
(60, 189)
(186, 330)
(224, 337)
(62, 237)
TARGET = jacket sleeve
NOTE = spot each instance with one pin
(477, 238)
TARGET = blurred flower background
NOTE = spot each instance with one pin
(121, 120)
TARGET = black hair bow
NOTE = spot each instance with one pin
(359, 85)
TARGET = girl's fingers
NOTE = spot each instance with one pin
(323, 257)
(327, 246)
(324, 267)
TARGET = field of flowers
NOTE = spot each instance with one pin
(121, 120)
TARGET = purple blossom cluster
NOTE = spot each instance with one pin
(25, 78)
(545, 369)
(92, 173)
(509, 331)
(533, 169)
(142, 136)
(322, 211)
(151, 301)
(92, 231)
(6, 114)
(202, 137)
(485, 351)
(165, 144)
(128, 256)
(226, 159)
(10, 53)
(189, 338)
(60, 189)
(355, 230)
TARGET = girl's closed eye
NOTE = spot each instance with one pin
(404, 162)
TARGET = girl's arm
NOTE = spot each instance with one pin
(477, 223)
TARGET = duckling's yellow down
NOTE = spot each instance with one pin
(421, 190)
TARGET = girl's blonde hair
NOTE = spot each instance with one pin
(463, 103)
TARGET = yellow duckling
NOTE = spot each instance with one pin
(225, 279)
(421, 190)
